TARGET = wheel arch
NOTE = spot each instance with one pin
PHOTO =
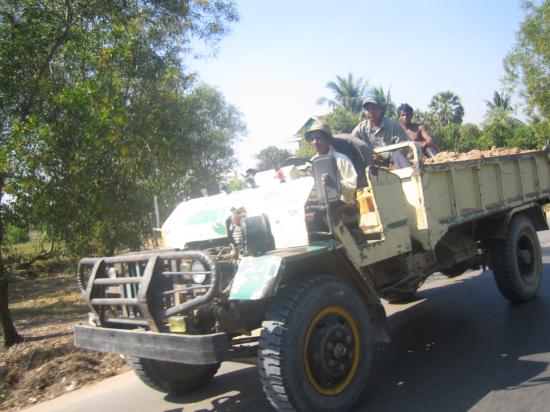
(336, 263)
(496, 227)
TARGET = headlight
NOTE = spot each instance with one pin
(197, 266)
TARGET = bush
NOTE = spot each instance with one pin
(54, 266)
(447, 137)
(16, 234)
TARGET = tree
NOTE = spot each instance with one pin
(348, 93)
(447, 137)
(305, 149)
(527, 66)
(341, 120)
(469, 135)
(11, 336)
(525, 138)
(384, 100)
(425, 118)
(273, 156)
(97, 116)
(509, 132)
(501, 101)
(499, 109)
(446, 108)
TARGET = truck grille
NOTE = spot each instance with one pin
(144, 289)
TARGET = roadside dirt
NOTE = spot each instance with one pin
(47, 364)
(443, 157)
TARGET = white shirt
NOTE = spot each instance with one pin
(348, 177)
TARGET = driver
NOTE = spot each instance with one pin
(320, 136)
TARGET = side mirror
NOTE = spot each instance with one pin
(327, 178)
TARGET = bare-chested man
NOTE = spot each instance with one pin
(416, 132)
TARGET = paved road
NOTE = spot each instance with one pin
(459, 347)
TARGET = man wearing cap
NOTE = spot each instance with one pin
(378, 131)
(320, 136)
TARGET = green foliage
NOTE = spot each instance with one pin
(447, 137)
(507, 133)
(273, 156)
(305, 149)
(504, 133)
(53, 266)
(500, 109)
(469, 135)
(342, 120)
(446, 108)
(348, 93)
(236, 184)
(457, 138)
(528, 64)
(498, 114)
(542, 132)
(425, 118)
(98, 116)
(501, 101)
(16, 234)
(525, 138)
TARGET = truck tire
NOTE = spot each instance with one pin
(517, 261)
(170, 377)
(316, 346)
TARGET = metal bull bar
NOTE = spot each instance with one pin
(141, 296)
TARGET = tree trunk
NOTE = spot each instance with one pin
(11, 337)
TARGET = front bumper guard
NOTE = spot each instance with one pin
(189, 349)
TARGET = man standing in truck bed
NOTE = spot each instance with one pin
(377, 131)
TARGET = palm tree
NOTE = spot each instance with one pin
(348, 93)
(500, 101)
(447, 108)
(383, 99)
(500, 110)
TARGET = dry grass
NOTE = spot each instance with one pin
(47, 364)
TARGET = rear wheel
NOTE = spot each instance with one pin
(517, 261)
(171, 377)
(316, 346)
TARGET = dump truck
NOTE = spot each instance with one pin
(288, 273)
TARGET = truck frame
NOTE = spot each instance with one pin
(178, 313)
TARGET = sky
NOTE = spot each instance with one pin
(274, 64)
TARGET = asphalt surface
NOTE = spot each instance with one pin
(459, 347)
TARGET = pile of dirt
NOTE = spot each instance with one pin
(47, 364)
(444, 157)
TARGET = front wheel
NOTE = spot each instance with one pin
(316, 346)
(171, 377)
(517, 261)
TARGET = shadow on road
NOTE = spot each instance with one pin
(459, 344)
(463, 342)
(236, 391)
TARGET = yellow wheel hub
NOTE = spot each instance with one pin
(332, 350)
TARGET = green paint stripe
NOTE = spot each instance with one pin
(397, 224)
